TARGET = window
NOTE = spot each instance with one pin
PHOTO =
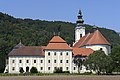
(48, 61)
(66, 61)
(60, 61)
(27, 61)
(13, 61)
(27, 69)
(80, 35)
(83, 60)
(67, 53)
(66, 68)
(48, 53)
(41, 61)
(54, 61)
(87, 68)
(60, 68)
(74, 68)
(13, 68)
(55, 68)
(54, 53)
(61, 53)
(34, 61)
(80, 68)
(48, 68)
(20, 61)
(101, 49)
(41, 68)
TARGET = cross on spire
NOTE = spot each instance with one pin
(80, 13)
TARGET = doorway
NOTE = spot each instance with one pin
(27, 69)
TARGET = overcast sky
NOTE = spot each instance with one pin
(103, 13)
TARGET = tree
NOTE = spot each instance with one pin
(21, 70)
(115, 55)
(78, 62)
(3, 51)
(33, 70)
(100, 62)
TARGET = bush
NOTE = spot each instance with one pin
(66, 71)
(2, 70)
(21, 70)
(58, 70)
(33, 70)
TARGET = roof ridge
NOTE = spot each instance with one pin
(58, 43)
(57, 39)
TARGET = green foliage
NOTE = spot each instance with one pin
(86, 73)
(58, 70)
(78, 61)
(111, 36)
(66, 71)
(100, 62)
(33, 70)
(115, 55)
(21, 70)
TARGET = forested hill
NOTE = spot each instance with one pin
(37, 32)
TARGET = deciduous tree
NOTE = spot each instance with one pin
(78, 62)
(99, 62)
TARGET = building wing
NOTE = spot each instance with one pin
(92, 39)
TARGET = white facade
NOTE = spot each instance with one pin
(17, 62)
(105, 48)
(58, 58)
(79, 32)
(42, 63)
(53, 59)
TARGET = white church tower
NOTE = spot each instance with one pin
(80, 28)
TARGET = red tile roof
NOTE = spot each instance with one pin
(28, 51)
(57, 39)
(57, 43)
(82, 51)
(58, 46)
(92, 39)
(97, 38)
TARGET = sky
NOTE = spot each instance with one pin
(102, 13)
